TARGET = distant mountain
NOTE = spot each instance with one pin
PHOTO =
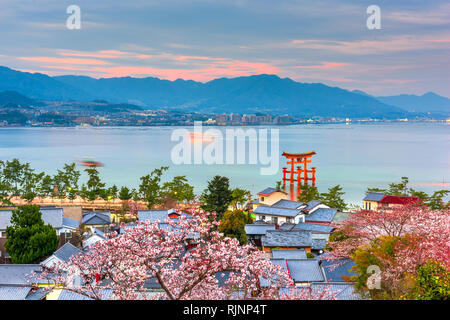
(14, 98)
(429, 102)
(258, 93)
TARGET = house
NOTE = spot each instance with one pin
(313, 205)
(155, 215)
(277, 215)
(269, 196)
(63, 254)
(100, 220)
(95, 237)
(377, 200)
(256, 230)
(305, 271)
(50, 215)
(280, 239)
(321, 215)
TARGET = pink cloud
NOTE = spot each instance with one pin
(66, 60)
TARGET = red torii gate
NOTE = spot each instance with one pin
(302, 171)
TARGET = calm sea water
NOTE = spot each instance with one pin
(354, 156)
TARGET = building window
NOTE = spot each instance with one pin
(3, 234)
(370, 206)
(262, 198)
(68, 235)
(274, 220)
(288, 220)
(263, 218)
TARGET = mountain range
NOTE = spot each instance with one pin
(258, 93)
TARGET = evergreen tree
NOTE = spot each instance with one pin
(308, 193)
(333, 198)
(150, 189)
(217, 196)
(29, 240)
(233, 225)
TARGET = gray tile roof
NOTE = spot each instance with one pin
(287, 226)
(336, 271)
(313, 203)
(374, 196)
(316, 228)
(70, 295)
(322, 215)
(276, 211)
(70, 223)
(343, 291)
(305, 270)
(258, 229)
(16, 274)
(96, 218)
(278, 238)
(13, 292)
(66, 252)
(52, 216)
(288, 254)
(318, 244)
(154, 215)
(288, 204)
(267, 191)
(37, 294)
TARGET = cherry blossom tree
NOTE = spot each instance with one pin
(398, 240)
(186, 256)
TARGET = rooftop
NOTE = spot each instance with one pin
(52, 216)
(289, 254)
(269, 191)
(315, 228)
(16, 274)
(305, 270)
(154, 215)
(398, 200)
(279, 238)
(258, 229)
(322, 215)
(374, 196)
(96, 218)
(338, 270)
(277, 211)
(66, 252)
(288, 204)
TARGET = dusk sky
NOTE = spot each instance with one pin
(308, 41)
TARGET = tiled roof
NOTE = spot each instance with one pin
(16, 274)
(276, 211)
(13, 292)
(287, 226)
(317, 228)
(96, 218)
(52, 216)
(374, 196)
(278, 238)
(336, 270)
(288, 254)
(322, 215)
(70, 223)
(66, 252)
(318, 244)
(154, 215)
(70, 295)
(268, 191)
(313, 203)
(288, 204)
(305, 270)
(398, 200)
(258, 228)
(343, 291)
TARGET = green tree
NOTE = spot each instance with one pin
(31, 186)
(94, 188)
(29, 240)
(333, 198)
(66, 181)
(233, 225)
(217, 196)
(432, 282)
(240, 197)
(150, 189)
(436, 202)
(308, 193)
(125, 194)
(178, 189)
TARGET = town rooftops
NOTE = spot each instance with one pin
(66, 252)
(338, 270)
(398, 200)
(70, 295)
(321, 215)
(374, 196)
(295, 239)
(154, 215)
(16, 274)
(288, 254)
(258, 229)
(276, 211)
(342, 291)
(315, 228)
(287, 226)
(70, 223)
(51, 216)
(305, 270)
(96, 218)
(269, 191)
(288, 204)
(318, 244)
(13, 292)
(312, 204)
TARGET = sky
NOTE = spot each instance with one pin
(307, 41)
